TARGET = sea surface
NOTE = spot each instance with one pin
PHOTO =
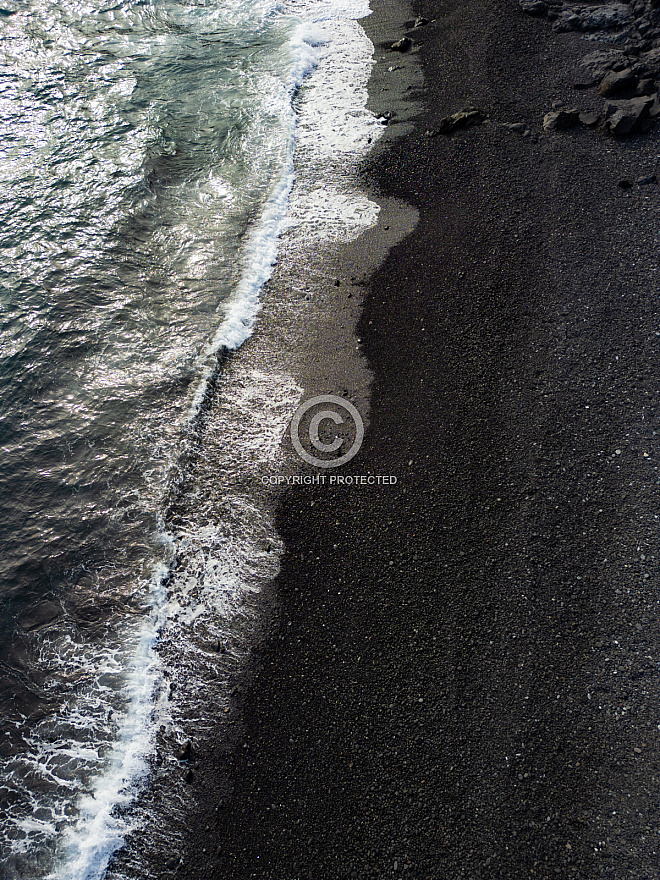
(148, 155)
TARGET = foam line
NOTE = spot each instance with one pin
(99, 831)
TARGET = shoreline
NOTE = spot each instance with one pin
(304, 342)
(462, 682)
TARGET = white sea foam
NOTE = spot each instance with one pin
(260, 249)
(335, 128)
(330, 215)
(99, 830)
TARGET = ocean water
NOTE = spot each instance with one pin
(147, 173)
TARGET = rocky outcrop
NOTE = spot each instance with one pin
(589, 19)
(625, 72)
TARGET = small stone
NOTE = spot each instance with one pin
(589, 119)
(402, 45)
(519, 127)
(560, 120)
(644, 181)
(462, 119)
(637, 751)
(184, 752)
(534, 7)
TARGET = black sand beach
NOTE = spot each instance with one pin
(462, 678)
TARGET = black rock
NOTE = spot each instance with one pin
(534, 7)
(462, 119)
(645, 87)
(402, 45)
(621, 123)
(589, 119)
(606, 17)
(560, 120)
(615, 82)
(654, 109)
(626, 117)
(184, 752)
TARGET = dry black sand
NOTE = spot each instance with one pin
(464, 680)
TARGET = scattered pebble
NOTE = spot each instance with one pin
(402, 45)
